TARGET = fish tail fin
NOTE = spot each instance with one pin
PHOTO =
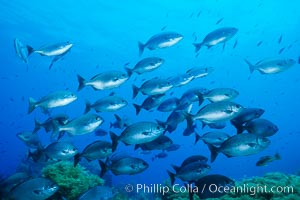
(214, 152)
(189, 119)
(88, 107)
(189, 130)
(56, 130)
(141, 48)
(197, 46)
(136, 146)
(161, 123)
(114, 139)
(29, 154)
(200, 98)
(251, 66)
(118, 118)
(239, 129)
(135, 90)
(76, 159)
(204, 125)
(81, 82)
(129, 71)
(137, 108)
(37, 125)
(197, 137)
(103, 167)
(277, 156)
(172, 177)
(30, 50)
(32, 105)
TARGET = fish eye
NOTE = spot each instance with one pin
(98, 118)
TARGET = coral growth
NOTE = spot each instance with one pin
(249, 189)
(72, 181)
(288, 187)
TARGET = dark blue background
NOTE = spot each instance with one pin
(105, 36)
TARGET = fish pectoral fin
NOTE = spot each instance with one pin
(146, 133)
(133, 166)
(252, 144)
(228, 111)
(38, 192)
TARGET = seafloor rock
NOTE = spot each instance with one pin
(283, 186)
(72, 181)
(256, 188)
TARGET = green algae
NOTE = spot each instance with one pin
(72, 181)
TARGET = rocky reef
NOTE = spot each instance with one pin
(72, 181)
(283, 187)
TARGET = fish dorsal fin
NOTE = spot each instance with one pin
(118, 156)
(95, 76)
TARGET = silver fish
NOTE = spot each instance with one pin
(60, 151)
(34, 189)
(149, 103)
(221, 94)
(161, 40)
(22, 51)
(200, 72)
(181, 80)
(104, 81)
(97, 150)
(261, 127)
(48, 124)
(168, 105)
(240, 145)
(146, 65)
(98, 193)
(217, 36)
(124, 166)
(31, 139)
(107, 104)
(153, 87)
(217, 112)
(194, 158)
(82, 125)
(246, 115)
(215, 138)
(160, 143)
(7, 184)
(52, 100)
(271, 66)
(190, 172)
(54, 49)
(138, 133)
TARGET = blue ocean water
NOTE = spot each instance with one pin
(105, 36)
